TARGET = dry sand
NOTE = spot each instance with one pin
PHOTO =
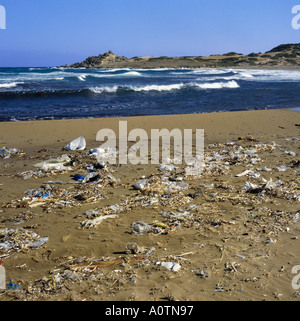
(236, 246)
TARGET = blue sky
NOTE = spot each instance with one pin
(56, 32)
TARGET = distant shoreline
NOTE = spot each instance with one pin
(286, 56)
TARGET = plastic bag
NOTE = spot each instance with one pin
(78, 143)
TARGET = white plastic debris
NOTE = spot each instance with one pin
(250, 152)
(140, 228)
(96, 221)
(250, 186)
(246, 172)
(103, 155)
(264, 169)
(95, 177)
(167, 167)
(177, 216)
(7, 245)
(171, 266)
(255, 175)
(177, 186)
(292, 139)
(39, 242)
(282, 168)
(141, 184)
(78, 143)
(289, 152)
(270, 184)
(55, 163)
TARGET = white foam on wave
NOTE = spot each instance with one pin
(131, 73)
(246, 75)
(210, 71)
(81, 77)
(215, 85)
(157, 87)
(269, 75)
(10, 85)
(100, 90)
(114, 74)
(218, 85)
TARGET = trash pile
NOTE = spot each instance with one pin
(10, 152)
(104, 273)
(19, 239)
(51, 196)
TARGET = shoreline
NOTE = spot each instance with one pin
(226, 122)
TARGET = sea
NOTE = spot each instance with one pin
(67, 93)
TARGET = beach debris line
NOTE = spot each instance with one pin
(18, 239)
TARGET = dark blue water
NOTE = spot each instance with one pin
(56, 93)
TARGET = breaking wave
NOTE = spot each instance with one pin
(10, 85)
(214, 85)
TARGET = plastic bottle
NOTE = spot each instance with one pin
(2, 276)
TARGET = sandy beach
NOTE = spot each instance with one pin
(232, 234)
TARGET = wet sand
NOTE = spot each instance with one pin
(234, 243)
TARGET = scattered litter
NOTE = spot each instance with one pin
(32, 174)
(8, 153)
(181, 202)
(14, 240)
